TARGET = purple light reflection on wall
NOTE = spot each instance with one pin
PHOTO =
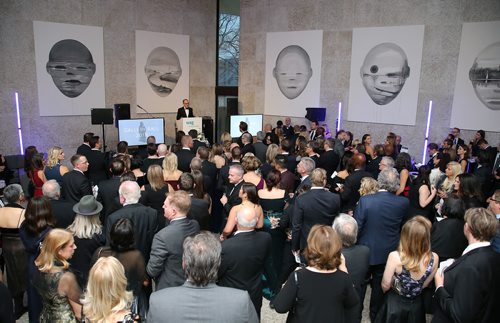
(19, 131)
(429, 113)
(339, 117)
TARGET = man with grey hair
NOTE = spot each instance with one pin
(237, 269)
(199, 299)
(61, 209)
(386, 162)
(231, 194)
(356, 258)
(304, 169)
(13, 194)
(379, 217)
(259, 147)
(143, 217)
(246, 140)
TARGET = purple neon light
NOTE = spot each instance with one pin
(429, 113)
(339, 116)
(19, 132)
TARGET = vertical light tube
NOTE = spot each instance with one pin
(339, 116)
(429, 113)
(19, 131)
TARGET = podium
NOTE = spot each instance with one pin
(186, 124)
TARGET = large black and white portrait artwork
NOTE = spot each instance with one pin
(162, 71)
(385, 74)
(293, 72)
(476, 103)
(70, 68)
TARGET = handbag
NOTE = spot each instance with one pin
(291, 314)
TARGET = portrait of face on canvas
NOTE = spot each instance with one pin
(485, 76)
(292, 71)
(384, 72)
(163, 70)
(71, 67)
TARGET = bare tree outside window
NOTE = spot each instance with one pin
(229, 49)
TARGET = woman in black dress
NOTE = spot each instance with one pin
(422, 195)
(154, 193)
(323, 291)
(468, 188)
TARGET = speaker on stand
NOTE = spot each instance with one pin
(122, 112)
(208, 129)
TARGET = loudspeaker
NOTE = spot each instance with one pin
(208, 129)
(316, 114)
(232, 106)
(101, 116)
(122, 112)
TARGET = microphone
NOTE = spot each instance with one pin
(149, 114)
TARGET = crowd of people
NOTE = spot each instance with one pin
(303, 218)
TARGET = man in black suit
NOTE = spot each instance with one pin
(491, 151)
(199, 209)
(304, 169)
(193, 133)
(317, 206)
(75, 184)
(350, 191)
(432, 150)
(271, 137)
(98, 168)
(286, 148)
(379, 217)
(357, 259)
(483, 172)
(314, 127)
(62, 210)
(247, 144)
(107, 192)
(244, 130)
(207, 168)
(223, 181)
(260, 147)
(329, 160)
(456, 135)
(231, 195)
(469, 289)
(185, 111)
(165, 263)
(288, 131)
(143, 217)
(84, 148)
(184, 155)
(244, 256)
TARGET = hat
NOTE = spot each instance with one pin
(87, 206)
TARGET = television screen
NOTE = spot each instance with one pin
(136, 131)
(254, 122)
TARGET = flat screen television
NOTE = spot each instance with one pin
(136, 131)
(254, 122)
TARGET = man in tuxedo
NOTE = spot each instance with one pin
(231, 195)
(143, 217)
(329, 160)
(260, 148)
(244, 130)
(196, 143)
(468, 290)
(456, 135)
(62, 210)
(165, 263)
(350, 191)
(84, 148)
(223, 181)
(107, 192)
(185, 111)
(357, 258)
(98, 168)
(247, 144)
(288, 131)
(75, 184)
(432, 150)
(286, 146)
(379, 217)
(200, 299)
(244, 256)
(271, 137)
(317, 206)
(208, 168)
(491, 151)
(184, 155)
(304, 169)
(314, 128)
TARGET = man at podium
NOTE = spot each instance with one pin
(185, 111)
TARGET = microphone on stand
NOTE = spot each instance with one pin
(149, 114)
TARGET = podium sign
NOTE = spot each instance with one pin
(186, 124)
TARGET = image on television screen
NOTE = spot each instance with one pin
(136, 131)
(254, 122)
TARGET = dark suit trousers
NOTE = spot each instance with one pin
(374, 278)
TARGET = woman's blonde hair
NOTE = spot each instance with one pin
(155, 177)
(53, 156)
(85, 226)
(250, 163)
(323, 249)
(368, 186)
(225, 136)
(415, 243)
(106, 290)
(448, 182)
(55, 240)
(170, 163)
(271, 152)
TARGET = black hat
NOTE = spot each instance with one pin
(87, 206)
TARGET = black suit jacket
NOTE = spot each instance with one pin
(288, 132)
(232, 193)
(350, 194)
(107, 194)
(223, 181)
(199, 212)
(248, 148)
(317, 206)
(329, 161)
(75, 186)
(197, 144)
(63, 212)
(243, 259)
(181, 113)
(357, 261)
(448, 239)
(184, 157)
(98, 170)
(471, 289)
(260, 151)
(83, 149)
(209, 169)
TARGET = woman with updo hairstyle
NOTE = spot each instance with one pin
(121, 246)
(422, 195)
(37, 175)
(54, 169)
(366, 140)
(271, 153)
(106, 298)
(322, 291)
(407, 272)
(56, 285)
(403, 166)
(250, 165)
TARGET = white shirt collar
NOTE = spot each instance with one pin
(476, 245)
(303, 178)
(179, 218)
